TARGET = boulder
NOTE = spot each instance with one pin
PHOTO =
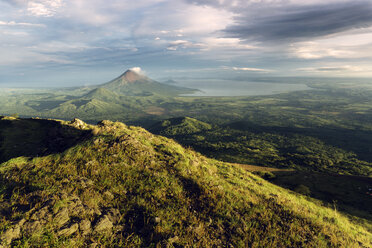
(68, 231)
(104, 225)
(61, 217)
(85, 227)
(11, 234)
(31, 227)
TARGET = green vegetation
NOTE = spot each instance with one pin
(124, 187)
(180, 126)
(316, 143)
(280, 148)
(35, 137)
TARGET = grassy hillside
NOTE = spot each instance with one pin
(124, 187)
(246, 143)
(179, 126)
(102, 94)
(36, 137)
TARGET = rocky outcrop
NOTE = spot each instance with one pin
(78, 123)
(104, 225)
(74, 218)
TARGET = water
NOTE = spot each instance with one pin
(238, 88)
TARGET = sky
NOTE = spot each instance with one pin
(75, 42)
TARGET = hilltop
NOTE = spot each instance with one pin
(121, 186)
(179, 126)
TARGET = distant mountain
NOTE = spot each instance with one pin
(131, 96)
(132, 83)
(171, 81)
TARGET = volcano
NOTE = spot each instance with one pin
(133, 83)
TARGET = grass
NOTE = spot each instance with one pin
(165, 195)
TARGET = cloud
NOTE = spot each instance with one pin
(300, 22)
(231, 36)
(25, 24)
(40, 8)
(315, 50)
(174, 45)
(177, 19)
(137, 70)
(346, 68)
(248, 69)
(16, 2)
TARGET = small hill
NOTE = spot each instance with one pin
(84, 108)
(170, 81)
(179, 126)
(125, 187)
(102, 94)
(132, 83)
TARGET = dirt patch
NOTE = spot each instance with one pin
(155, 110)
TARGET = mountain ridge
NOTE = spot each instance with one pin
(125, 187)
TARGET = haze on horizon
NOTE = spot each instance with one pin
(72, 42)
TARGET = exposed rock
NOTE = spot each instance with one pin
(173, 240)
(78, 123)
(11, 234)
(61, 217)
(68, 230)
(114, 215)
(104, 123)
(77, 210)
(104, 225)
(85, 226)
(31, 227)
(108, 195)
(41, 214)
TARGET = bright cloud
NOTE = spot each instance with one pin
(45, 8)
(25, 24)
(137, 70)
(321, 37)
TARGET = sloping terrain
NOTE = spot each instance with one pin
(131, 83)
(179, 126)
(124, 187)
(267, 146)
(131, 96)
(36, 137)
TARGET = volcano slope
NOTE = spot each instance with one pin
(122, 186)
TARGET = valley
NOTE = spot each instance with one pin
(120, 186)
(315, 142)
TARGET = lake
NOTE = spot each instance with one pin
(210, 87)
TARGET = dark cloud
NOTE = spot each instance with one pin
(15, 2)
(329, 69)
(332, 69)
(296, 23)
